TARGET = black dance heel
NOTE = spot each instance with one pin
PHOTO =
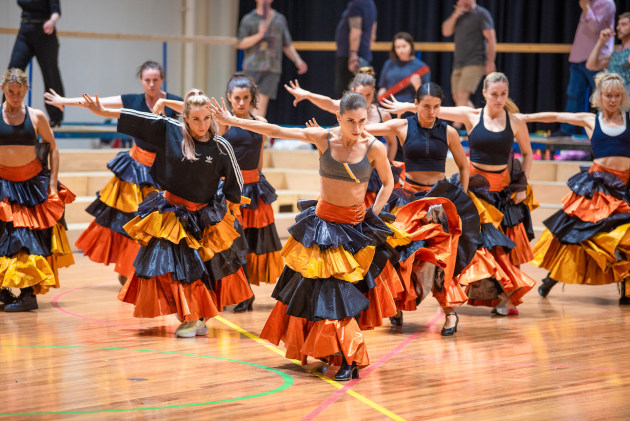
(243, 306)
(451, 330)
(347, 371)
(546, 286)
(624, 300)
(397, 320)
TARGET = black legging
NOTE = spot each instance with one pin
(31, 42)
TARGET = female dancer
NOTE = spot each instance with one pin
(332, 244)
(264, 263)
(105, 241)
(499, 189)
(190, 259)
(33, 242)
(363, 83)
(587, 241)
(426, 141)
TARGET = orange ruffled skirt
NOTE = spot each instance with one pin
(191, 274)
(264, 262)
(34, 242)
(588, 241)
(504, 226)
(104, 240)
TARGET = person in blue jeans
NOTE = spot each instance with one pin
(596, 16)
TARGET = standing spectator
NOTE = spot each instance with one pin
(401, 64)
(597, 15)
(264, 34)
(37, 37)
(618, 61)
(355, 33)
(475, 48)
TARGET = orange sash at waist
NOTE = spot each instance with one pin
(622, 175)
(250, 176)
(498, 181)
(176, 200)
(21, 173)
(142, 155)
(414, 187)
(340, 214)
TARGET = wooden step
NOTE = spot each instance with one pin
(86, 159)
(550, 192)
(85, 183)
(75, 211)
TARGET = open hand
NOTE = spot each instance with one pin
(295, 90)
(312, 123)
(53, 98)
(219, 111)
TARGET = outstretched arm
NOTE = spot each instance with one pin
(309, 135)
(393, 106)
(173, 104)
(53, 98)
(396, 127)
(586, 120)
(320, 101)
(459, 114)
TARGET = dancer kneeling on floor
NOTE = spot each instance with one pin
(329, 256)
(191, 255)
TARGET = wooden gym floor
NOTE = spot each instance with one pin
(83, 356)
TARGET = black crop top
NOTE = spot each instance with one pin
(491, 148)
(138, 102)
(22, 134)
(359, 172)
(196, 181)
(247, 147)
(604, 145)
(425, 149)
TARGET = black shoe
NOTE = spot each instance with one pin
(347, 371)
(55, 123)
(546, 286)
(451, 330)
(6, 296)
(25, 302)
(624, 299)
(397, 320)
(122, 279)
(247, 305)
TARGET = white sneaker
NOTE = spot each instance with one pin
(201, 329)
(187, 330)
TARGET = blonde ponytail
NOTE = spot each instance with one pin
(194, 98)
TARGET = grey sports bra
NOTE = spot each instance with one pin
(331, 168)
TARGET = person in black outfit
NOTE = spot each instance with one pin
(37, 38)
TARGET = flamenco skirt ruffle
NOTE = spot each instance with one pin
(105, 241)
(319, 293)
(506, 230)
(181, 250)
(588, 241)
(435, 229)
(264, 262)
(33, 241)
